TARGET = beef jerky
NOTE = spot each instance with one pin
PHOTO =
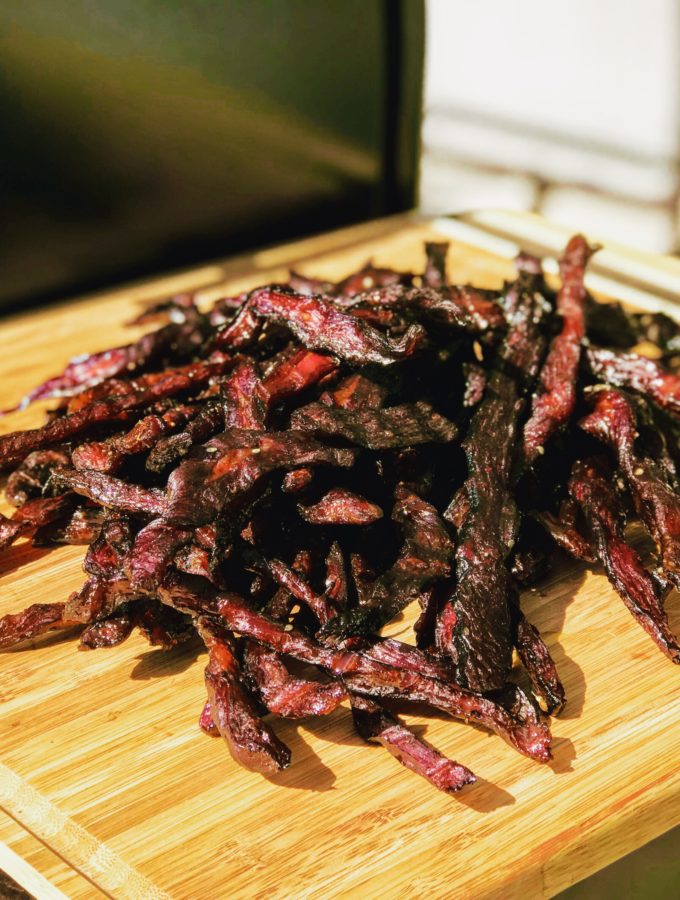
(318, 324)
(555, 398)
(591, 486)
(82, 527)
(32, 622)
(227, 467)
(297, 480)
(111, 492)
(161, 625)
(30, 478)
(297, 373)
(34, 514)
(540, 667)
(108, 632)
(355, 392)
(474, 625)
(283, 693)
(655, 493)
(375, 723)
(563, 529)
(152, 553)
(336, 577)
(475, 384)
(299, 588)
(341, 507)
(395, 426)
(637, 373)
(251, 742)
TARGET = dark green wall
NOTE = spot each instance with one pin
(141, 136)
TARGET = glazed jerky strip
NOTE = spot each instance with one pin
(474, 625)
(554, 400)
(16, 446)
(319, 325)
(251, 742)
(637, 373)
(364, 675)
(656, 495)
(375, 723)
(591, 486)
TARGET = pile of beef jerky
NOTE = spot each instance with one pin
(284, 473)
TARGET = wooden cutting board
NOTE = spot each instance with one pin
(102, 761)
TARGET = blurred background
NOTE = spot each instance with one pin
(142, 136)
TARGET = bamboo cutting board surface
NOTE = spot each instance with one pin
(102, 761)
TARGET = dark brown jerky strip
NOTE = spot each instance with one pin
(375, 723)
(563, 530)
(297, 373)
(336, 577)
(591, 486)
(167, 450)
(152, 553)
(355, 392)
(16, 446)
(31, 622)
(425, 557)
(318, 324)
(341, 507)
(222, 471)
(637, 373)
(474, 626)
(112, 492)
(241, 332)
(285, 695)
(161, 625)
(435, 266)
(520, 725)
(379, 429)
(297, 480)
(29, 479)
(656, 495)
(475, 384)
(540, 667)
(251, 742)
(555, 398)
(108, 632)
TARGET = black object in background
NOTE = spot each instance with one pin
(144, 135)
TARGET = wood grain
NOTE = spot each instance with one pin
(102, 759)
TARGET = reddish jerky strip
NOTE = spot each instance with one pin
(539, 665)
(194, 561)
(374, 723)
(98, 598)
(251, 742)
(108, 456)
(554, 401)
(161, 625)
(319, 325)
(112, 492)
(655, 494)
(16, 446)
(591, 487)
(228, 466)
(475, 384)
(396, 426)
(107, 632)
(562, 529)
(245, 398)
(82, 527)
(297, 480)
(341, 507)
(88, 370)
(521, 728)
(355, 392)
(30, 478)
(300, 589)
(242, 331)
(474, 626)
(285, 695)
(336, 577)
(435, 267)
(369, 277)
(114, 541)
(33, 621)
(34, 514)
(205, 721)
(637, 373)
(152, 553)
(169, 449)
(297, 373)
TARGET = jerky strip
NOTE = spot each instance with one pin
(341, 507)
(375, 723)
(554, 401)
(637, 373)
(591, 486)
(111, 492)
(396, 426)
